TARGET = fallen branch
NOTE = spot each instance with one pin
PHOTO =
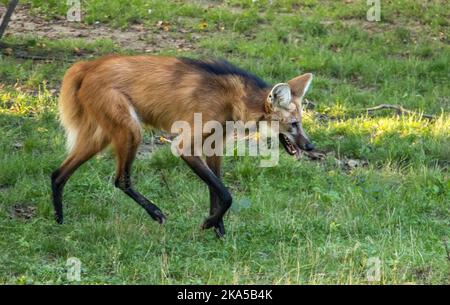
(307, 104)
(163, 176)
(21, 51)
(313, 154)
(25, 55)
(399, 109)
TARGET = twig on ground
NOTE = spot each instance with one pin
(24, 55)
(313, 154)
(163, 176)
(308, 104)
(399, 109)
(20, 51)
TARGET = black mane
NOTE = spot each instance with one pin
(223, 67)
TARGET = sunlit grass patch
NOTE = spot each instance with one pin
(25, 102)
(392, 139)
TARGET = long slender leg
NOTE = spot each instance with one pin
(59, 177)
(126, 143)
(214, 163)
(208, 176)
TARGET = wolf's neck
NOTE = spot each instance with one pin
(250, 107)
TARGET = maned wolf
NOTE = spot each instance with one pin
(105, 101)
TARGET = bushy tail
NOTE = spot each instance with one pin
(70, 110)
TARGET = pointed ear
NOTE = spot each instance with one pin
(280, 95)
(300, 84)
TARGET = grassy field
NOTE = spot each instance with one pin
(300, 222)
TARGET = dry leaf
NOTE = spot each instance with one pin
(164, 25)
(203, 25)
(8, 51)
(78, 51)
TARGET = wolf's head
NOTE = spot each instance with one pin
(222, 81)
(284, 104)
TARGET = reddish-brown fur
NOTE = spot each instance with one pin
(98, 99)
(151, 85)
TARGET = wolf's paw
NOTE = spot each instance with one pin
(219, 229)
(157, 215)
(210, 222)
(215, 222)
(59, 219)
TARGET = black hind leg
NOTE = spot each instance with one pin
(79, 155)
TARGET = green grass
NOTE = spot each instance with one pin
(299, 222)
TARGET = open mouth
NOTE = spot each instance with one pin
(290, 147)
